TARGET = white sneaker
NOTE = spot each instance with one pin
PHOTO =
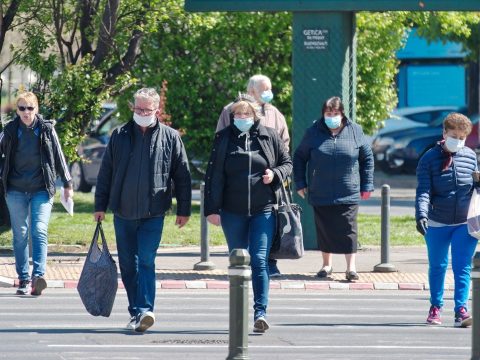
(144, 321)
(260, 325)
(131, 323)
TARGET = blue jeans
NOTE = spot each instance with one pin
(137, 244)
(254, 233)
(29, 212)
(463, 245)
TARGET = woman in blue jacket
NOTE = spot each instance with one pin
(340, 172)
(444, 189)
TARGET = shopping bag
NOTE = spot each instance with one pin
(288, 240)
(473, 217)
(98, 281)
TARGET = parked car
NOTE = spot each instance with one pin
(398, 151)
(84, 173)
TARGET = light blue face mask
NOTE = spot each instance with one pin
(333, 122)
(267, 96)
(243, 124)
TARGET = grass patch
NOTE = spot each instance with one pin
(78, 230)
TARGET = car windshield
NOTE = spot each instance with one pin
(433, 118)
(108, 126)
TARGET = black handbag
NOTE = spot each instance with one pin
(98, 281)
(288, 240)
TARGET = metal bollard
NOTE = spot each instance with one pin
(476, 307)
(205, 263)
(384, 265)
(240, 274)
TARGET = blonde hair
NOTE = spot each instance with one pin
(28, 97)
(456, 121)
(244, 106)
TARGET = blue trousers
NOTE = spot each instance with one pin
(254, 233)
(439, 240)
(29, 212)
(137, 244)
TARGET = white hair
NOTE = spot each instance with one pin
(147, 93)
(255, 81)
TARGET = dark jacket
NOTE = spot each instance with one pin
(272, 147)
(168, 163)
(339, 167)
(52, 160)
(444, 196)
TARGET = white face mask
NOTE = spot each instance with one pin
(144, 121)
(453, 145)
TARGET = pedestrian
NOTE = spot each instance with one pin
(445, 187)
(32, 158)
(142, 159)
(260, 88)
(340, 173)
(247, 166)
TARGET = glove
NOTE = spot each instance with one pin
(422, 226)
(365, 195)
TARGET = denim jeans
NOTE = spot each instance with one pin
(137, 244)
(254, 233)
(463, 245)
(29, 212)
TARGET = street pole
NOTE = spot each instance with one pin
(240, 274)
(476, 307)
(205, 263)
(385, 265)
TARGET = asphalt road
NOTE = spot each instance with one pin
(194, 325)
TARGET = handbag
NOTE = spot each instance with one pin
(473, 217)
(288, 240)
(98, 281)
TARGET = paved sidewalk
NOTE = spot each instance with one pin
(174, 268)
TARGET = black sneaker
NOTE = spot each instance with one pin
(24, 287)
(324, 273)
(38, 285)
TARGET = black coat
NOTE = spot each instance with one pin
(53, 162)
(168, 163)
(272, 147)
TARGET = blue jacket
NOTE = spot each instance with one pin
(444, 196)
(339, 167)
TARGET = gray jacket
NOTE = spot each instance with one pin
(168, 164)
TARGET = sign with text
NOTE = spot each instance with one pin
(315, 39)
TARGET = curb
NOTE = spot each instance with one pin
(274, 285)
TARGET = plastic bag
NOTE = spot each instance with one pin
(473, 217)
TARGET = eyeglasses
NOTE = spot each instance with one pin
(23, 108)
(143, 111)
(245, 114)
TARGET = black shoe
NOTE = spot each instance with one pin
(351, 275)
(38, 285)
(324, 273)
(24, 287)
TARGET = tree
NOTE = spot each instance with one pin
(83, 52)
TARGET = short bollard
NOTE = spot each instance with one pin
(240, 274)
(476, 307)
(205, 263)
(385, 265)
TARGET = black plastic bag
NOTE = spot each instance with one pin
(99, 280)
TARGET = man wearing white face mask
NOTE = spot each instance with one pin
(142, 159)
(444, 190)
(260, 88)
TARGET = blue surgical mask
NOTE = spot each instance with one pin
(267, 96)
(243, 124)
(333, 122)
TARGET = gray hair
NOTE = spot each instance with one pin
(255, 81)
(147, 93)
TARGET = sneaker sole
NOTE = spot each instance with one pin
(145, 323)
(260, 326)
(465, 323)
(40, 285)
(22, 292)
(434, 322)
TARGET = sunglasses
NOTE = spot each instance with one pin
(23, 108)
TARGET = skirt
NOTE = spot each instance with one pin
(336, 227)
